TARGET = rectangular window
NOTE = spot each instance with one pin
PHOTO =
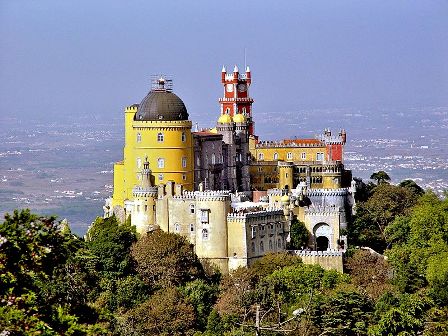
(161, 163)
(303, 156)
(319, 156)
(160, 177)
(204, 215)
(184, 162)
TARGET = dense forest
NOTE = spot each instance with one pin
(114, 283)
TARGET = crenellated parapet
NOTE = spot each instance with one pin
(282, 144)
(206, 195)
(144, 192)
(277, 192)
(243, 216)
(328, 192)
(131, 108)
(323, 210)
(330, 253)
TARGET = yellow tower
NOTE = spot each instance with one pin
(157, 129)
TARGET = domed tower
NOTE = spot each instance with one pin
(157, 129)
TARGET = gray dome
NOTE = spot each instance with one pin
(161, 105)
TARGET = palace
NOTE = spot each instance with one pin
(230, 194)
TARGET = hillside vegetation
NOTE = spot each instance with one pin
(111, 283)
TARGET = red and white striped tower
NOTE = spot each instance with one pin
(236, 95)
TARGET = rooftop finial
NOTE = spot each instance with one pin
(223, 69)
(247, 69)
(235, 69)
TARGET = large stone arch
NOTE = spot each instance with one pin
(323, 236)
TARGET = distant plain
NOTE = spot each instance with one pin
(65, 167)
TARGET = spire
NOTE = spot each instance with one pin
(247, 69)
(235, 69)
(223, 69)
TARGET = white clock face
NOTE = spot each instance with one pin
(229, 87)
(242, 87)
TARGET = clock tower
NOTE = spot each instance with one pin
(236, 98)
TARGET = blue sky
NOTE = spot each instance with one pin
(92, 58)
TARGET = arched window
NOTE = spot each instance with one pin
(184, 162)
(213, 158)
(160, 177)
(177, 227)
(228, 110)
(160, 163)
(192, 208)
(279, 243)
(270, 245)
(198, 161)
(204, 234)
(139, 137)
(183, 137)
(253, 247)
(289, 156)
(139, 162)
(191, 227)
(244, 111)
(260, 156)
(261, 247)
(160, 137)
(275, 156)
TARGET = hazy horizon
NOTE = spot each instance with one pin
(90, 59)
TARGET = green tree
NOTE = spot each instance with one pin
(270, 262)
(345, 314)
(373, 216)
(166, 312)
(380, 177)
(370, 273)
(166, 259)
(412, 186)
(406, 318)
(111, 242)
(299, 235)
(42, 282)
(419, 247)
(202, 296)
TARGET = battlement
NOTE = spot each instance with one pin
(161, 123)
(289, 144)
(231, 76)
(132, 108)
(237, 100)
(328, 192)
(206, 195)
(144, 192)
(323, 210)
(246, 214)
(277, 192)
(330, 253)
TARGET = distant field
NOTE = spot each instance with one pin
(65, 168)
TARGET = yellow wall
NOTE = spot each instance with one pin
(118, 195)
(172, 149)
(268, 153)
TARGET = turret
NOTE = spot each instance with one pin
(143, 214)
(248, 76)
(343, 136)
(236, 72)
(223, 74)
